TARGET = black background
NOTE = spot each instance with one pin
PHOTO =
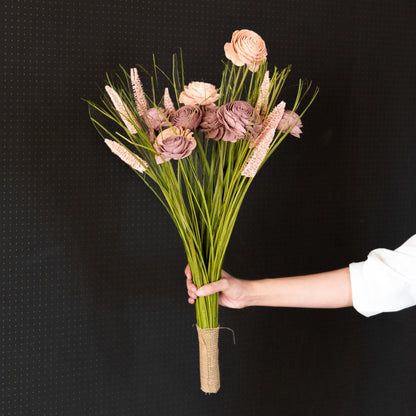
(94, 318)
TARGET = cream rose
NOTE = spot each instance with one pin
(199, 93)
(174, 143)
(246, 47)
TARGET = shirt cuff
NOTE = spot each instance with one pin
(385, 282)
(360, 289)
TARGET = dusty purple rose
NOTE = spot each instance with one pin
(240, 120)
(174, 143)
(188, 116)
(211, 125)
(157, 118)
(288, 120)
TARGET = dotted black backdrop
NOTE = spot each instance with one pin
(93, 312)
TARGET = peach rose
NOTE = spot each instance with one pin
(246, 47)
(174, 143)
(199, 93)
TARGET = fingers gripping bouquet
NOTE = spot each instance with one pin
(198, 150)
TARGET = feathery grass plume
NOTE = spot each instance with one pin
(132, 160)
(261, 145)
(139, 97)
(168, 103)
(272, 120)
(125, 114)
(262, 102)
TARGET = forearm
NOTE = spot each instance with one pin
(323, 290)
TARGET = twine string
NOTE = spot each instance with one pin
(229, 329)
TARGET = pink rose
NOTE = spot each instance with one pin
(174, 143)
(188, 116)
(288, 120)
(246, 47)
(199, 93)
(157, 118)
(240, 120)
(211, 125)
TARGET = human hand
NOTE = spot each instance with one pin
(233, 292)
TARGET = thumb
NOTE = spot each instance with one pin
(212, 288)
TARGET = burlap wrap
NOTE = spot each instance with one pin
(208, 359)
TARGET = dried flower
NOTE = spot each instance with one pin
(261, 145)
(124, 112)
(128, 157)
(272, 121)
(258, 155)
(188, 116)
(246, 47)
(291, 120)
(240, 120)
(199, 93)
(157, 118)
(168, 103)
(174, 143)
(211, 125)
(262, 102)
(139, 97)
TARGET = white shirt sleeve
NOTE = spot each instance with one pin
(386, 281)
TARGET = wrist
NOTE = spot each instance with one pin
(255, 293)
(266, 292)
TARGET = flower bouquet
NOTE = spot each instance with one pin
(199, 152)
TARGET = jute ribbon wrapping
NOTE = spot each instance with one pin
(208, 359)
